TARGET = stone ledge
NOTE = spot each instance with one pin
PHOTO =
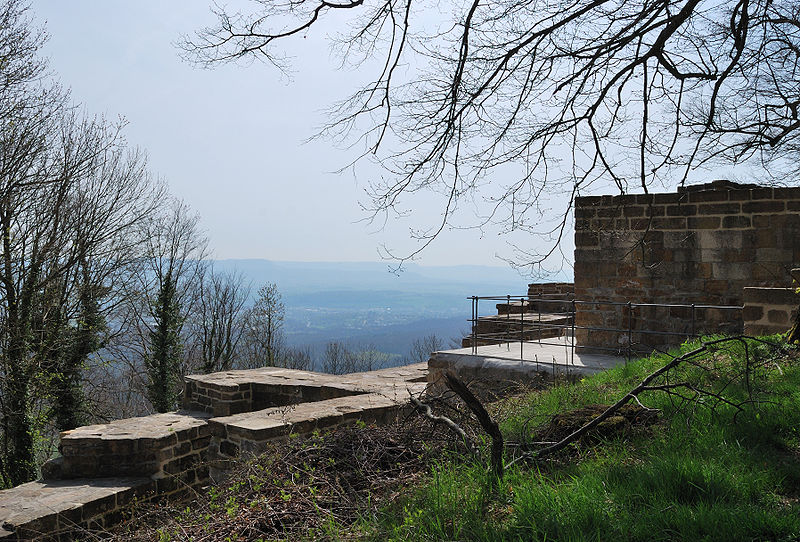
(274, 423)
(141, 446)
(45, 508)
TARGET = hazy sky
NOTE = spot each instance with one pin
(230, 140)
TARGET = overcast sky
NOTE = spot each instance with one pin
(230, 141)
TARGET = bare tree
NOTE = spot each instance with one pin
(295, 358)
(341, 358)
(171, 263)
(263, 333)
(218, 320)
(422, 348)
(71, 194)
(513, 101)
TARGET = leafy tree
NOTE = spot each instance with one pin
(166, 349)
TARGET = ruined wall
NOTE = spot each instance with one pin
(769, 310)
(702, 245)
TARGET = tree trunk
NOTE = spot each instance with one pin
(794, 332)
(20, 460)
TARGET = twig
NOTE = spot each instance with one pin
(426, 411)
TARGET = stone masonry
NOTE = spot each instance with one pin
(701, 245)
(769, 310)
(102, 468)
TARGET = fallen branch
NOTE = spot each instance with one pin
(643, 386)
(426, 411)
(486, 421)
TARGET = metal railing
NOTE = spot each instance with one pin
(541, 319)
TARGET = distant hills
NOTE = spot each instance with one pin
(305, 277)
(363, 303)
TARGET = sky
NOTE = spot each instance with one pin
(231, 141)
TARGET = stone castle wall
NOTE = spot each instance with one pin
(701, 245)
(769, 310)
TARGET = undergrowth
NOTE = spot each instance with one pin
(707, 469)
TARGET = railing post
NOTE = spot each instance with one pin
(693, 325)
(539, 310)
(474, 325)
(630, 333)
(574, 317)
(521, 325)
(508, 321)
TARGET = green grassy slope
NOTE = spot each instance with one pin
(706, 471)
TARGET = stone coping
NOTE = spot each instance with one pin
(553, 354)
(277, 422)
(46, 507)
(276, 376)
(144, 429)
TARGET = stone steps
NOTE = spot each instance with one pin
(527, 326)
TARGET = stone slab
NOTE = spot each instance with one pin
(554, 354)
(275, 376)
(273, 423)
(144, 428)
(44, 507)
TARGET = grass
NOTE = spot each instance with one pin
(706, 470)
(703, 473)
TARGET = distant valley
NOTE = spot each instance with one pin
(364, 305)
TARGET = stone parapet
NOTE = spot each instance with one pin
(155, 446)
(769, 310)
(701, 245)
(102, 467)
(64, 509)
(249, 433)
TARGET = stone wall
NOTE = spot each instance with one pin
(701, 245)
(224, 398)
(769, 310)
(551, 289)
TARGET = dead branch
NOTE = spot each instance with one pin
(486, 421)
(426, 411)
(632, 394)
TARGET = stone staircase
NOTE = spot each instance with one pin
(226, 417)
(545, 313)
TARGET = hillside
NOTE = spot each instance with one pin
(716, 460)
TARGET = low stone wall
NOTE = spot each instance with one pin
(157, 446)
(545, 289)
(103, 467)
(508, 328)
(486, 378)
(769, 310)
(248, 434)
(234, 392)
(69, 509)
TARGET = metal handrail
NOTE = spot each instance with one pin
(537, 326)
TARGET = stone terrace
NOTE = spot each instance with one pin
(227, 415)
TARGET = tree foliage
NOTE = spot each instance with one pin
(71, 197)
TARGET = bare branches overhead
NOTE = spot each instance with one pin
(506, 101)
